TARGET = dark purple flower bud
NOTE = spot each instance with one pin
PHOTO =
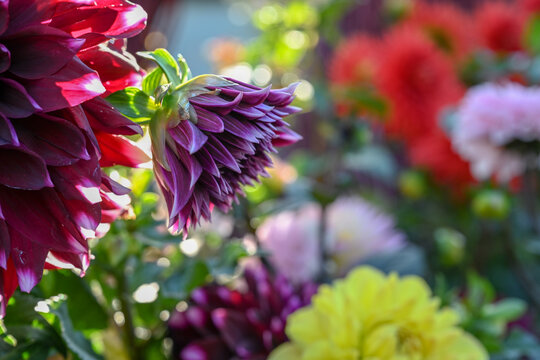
(244, 324)
(216, 140)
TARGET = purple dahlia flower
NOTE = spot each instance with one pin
(220, 323)
(54, 133)
(216, 140)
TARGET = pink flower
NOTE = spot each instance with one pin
(356, 230)
(292, 240)
(496, 125)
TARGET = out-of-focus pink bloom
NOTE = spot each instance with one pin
(292, 240)
(494, 127)
(356, 230)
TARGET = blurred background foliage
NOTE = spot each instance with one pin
(458, 239)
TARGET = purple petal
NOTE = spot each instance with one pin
(208, 121)
(216, 103)
(73, 84)
(8, 136)
(22, 169)
(15, 101)
(221, 154)
(5, 58)
(188, 136)
(40, 51)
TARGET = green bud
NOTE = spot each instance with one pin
(450, 245)
(491, 204)
(412, 184)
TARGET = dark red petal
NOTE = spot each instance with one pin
(103, 117)
(57, 141)
(51, 224)
(72, 85)
(22, 169)
(40, 51)
(8, 284)
(104, 20)
(4, 15)
(118, 150)
(15, 101)
(8, 136)
(5, 58)
(28, 259)
(5, 244)
(117, 70)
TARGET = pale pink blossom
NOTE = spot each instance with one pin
(357, 230)
(292, 240)
(491, 117)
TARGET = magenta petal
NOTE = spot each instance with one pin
(286, 137)
(119, 150)
(52, 226)
(180, 185)
(103, 117)
(5, 58)
(72, 85)
(8, 136)
(22, 169)
(15, 101)
(28, 259)
(5, 244)
(56, 140)
(41, 51)
(117, 69)
(188, 136)
(222, 155)
(208, 120)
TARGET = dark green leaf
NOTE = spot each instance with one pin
(180, 285)
(75, 341)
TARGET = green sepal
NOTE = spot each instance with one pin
(152, 81)
(532, 34)
(133, 103)
(166, 62)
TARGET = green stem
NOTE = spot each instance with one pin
(128, 327)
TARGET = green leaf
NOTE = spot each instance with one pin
(505, 310)
(75, 341)
(166, 62)
(184, 68)
(180, 285)
(133, 103)
(532, 35)
(152, 81)
(83, 307)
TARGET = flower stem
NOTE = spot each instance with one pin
(128, 327)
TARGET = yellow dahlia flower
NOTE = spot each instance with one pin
(371, 316)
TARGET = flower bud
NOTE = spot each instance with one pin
(450, 245)
(491, 204)
(412, 184)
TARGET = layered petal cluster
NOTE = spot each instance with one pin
(369, 315)
(54, 132)
(356, 229)
(221, 143)
(410, 76)
(449, 27)
(498, 128)
(222, 323)
(353, 231)
(292, 239)
(500, 26)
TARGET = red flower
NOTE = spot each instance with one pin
(500, 26)
(530, 5)
(355, 61)
(449, 27)
(53, 132)
(418, 81)
(434, 153)
(353, 69)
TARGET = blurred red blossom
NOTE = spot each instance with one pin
(500, 26)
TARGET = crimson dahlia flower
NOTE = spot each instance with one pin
(221, 323)
(56, 132)
(212, 136)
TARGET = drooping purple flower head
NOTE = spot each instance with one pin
(217, 142)
(55, 131)
(220, 323)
